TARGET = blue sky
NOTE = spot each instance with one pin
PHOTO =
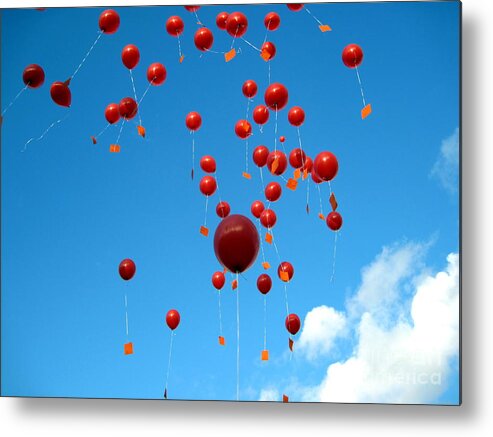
(71, 211)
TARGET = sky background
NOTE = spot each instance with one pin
(71, 211)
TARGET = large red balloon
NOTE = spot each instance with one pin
(60, 94)
(276, 96)
(297, 158)
(285, 267)
(236, 24)
(249, 88)
(260, 114)
(173, 319)
(272, 21)
(334, 221)
(33, 76)
(193, 121)
(130, 56)
(192, 8)
(208, 185)
(175, 25)
(269, 48)
(218, 280)
(352, 55)
(293, 324)
(128, 108)
(257, 208)
(208, 164)
(326, 166)
(273, 191)
(127, 269)
(295, 7)
(268, 218)
(243, 129)
(223, 209)
(236, 243)
(296, 116)
(156, 73)
(109, 21)
(260, 154)
(221, 20)
(203, 39)
(282, 162)
(112, 113)
(264, 283)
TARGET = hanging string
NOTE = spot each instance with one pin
(103, 131)
(250, 44)
(198, 19)
(313, 16)
(265, 322)
(234, 38)
(15, 98)
(145, 92)
(268, 63)
(308, 195)
(121, 129)
(179, 45)
(360, 86)
(237, 339)
(299, 140)
(169, 365)
(193, 151)
(220, 315)
(100, 32)
(262, 179)
(261, 240)
(246, 155)
(44, 133)
(135, 94)
(334, 257)
(266, 31)
(275, 133)
(320, 199)
(126, 314)
(206, 204)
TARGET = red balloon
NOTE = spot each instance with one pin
(282, 162)
(156, 73)
(130, 56)
(270, 48)
(243, 129)
(260, 114)
(192, 8)
(221, 20)
(112, 113)
(264, 283)
(223, 209)
(33, 76)
(128, 108)
(268, 218)
(297, 158)
(308, 164)
(352, 55)
(173, 319)
(326, 166)
(295, 7)
(257, 208)
(236, 24)
(293, 324)
(282, 139)
(208, 185)
(175, 25)
(260, 154)
(334, 220)
(249, 88)
(315, 178)
(296, 116)
(208, 164)
(276, 96)
(203, 39)
(218, 280)
(193, 121)
(60, 94)
(272, 21)
(285, 267)
(273, 191)
(109, 21)
(127, 269)
(236, 243)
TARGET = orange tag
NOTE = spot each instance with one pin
(297, 173)
(268, 238)
(94, 141)
(333, 202)
(324, 28)
(321, 216)
(234, 284)
(128, 348)
(292, 184)
(265, 355)
(114, 148)
(204, 231)
(265, 55)
(141, 130)
(222, 342)
(182, 57)
(291, 344)
(305, 174)
(230, 55)
(275, 164)
(246, 175)
(284, 276)
(285, 399)
(366, 111)
(266, 265)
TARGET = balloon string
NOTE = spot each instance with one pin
(275, 133)
(299, 140)
(15, 98)
(286, 298)
(103, 131)
(275, 245)
(250, 44)
(100, 32)
(193, 151)
(135, 94)
(44, 133)
(217, 186)
(237, 339)
(220, 314)
(234, 39)
(126, 314)
(320, 199)
(198, 19)
(248, 108)
(179, 45)
(261, 240)
(145, 92)
(246, 155)
(265, 322)
(268, 64)
(360, 86)
(308, 195)
(206, 204)
(169, 362)
(120, 133)
(262, 179)
(334, 258)
(266, 31)
(315, 18)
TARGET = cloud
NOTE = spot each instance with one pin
(446, 168)
(270, 395)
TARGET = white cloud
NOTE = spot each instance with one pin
(446, 168)
(270, 394)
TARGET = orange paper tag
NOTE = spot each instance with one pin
(128, 348)
(291, 344)
(265, 355)
(292, 184)
(182, 57)
(321, 216)
(234, 284)
(275, 164)
(114, 148)
(246, 175)
(324, 28)
(266, 265)
(230, 55)
(268, 238)
(366, 111)
(265, 55)
(284, 276)
(305, 174)
(285, 399)
(94, 141)
(204, 231)
(222, 342)
(141, 130)
(333, 202)
(297, 173)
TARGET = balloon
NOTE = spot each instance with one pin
(257, 208)
(109, 21)
(297, 158)
(282, 162)
(260, 114)
(293, 324)
(352, 55)
(193, 121)
(264, 283)
(203, 39)
(326, 166)
(268, 218)
(221, 20)
(236, 24)
(308, 164)
(192, 8)
(295, 7)
(208, 185)
(276, 96)
(285, 267)
(272, 21)
(175, 25)
(173, 319)
(112, 113)
(33, 76)
(260, 154)
(243, 129)
(236, 243)
(208, 164)
(315, 178)
(270, 48)
(273, 191)
(334, 220)
(223, 209)
(296, 116)
(128, 108)
(156, 73)
(127, 269)
(218, 280)
(130, 56)
(282, 139)
(249, 88)
(60, 94)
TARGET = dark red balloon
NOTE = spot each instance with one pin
(260, 154)
(243, 129)
(257, 208)
(60, 94)
(293, 324)
(249, 88)
(295, 7)
(273, 191)
(192, 8)
(112, 113)
(282, 162)
(130, 56)
(326, 166)
(297, 158)
(315, 178)
(156, 73)
(128, 108)
(269, 48)
(33, 76)
(109, 21)
(236, 243)
(285, 267)
(308, 164)
(276, 96)
(264, 283)
(218, 280)
(174, 25)
(203, 39)
(352, 55)
(127, 269)
(193, 121)
(221, 20)
(223, 209)
(208, 164)
(334, 221)
(272, 21)
(296, 116)
(236, 24)
(261, 114)
(208, 185)
(268, 218)
(173, 319)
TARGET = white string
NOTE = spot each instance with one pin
(126, 314)
(261, 240)
(265, 322)
(307, 194)
(120, 133)
(15, 98)
(135, 94)
(250, 44)
(145, 92)
(169, 363)
(320, 199)
(360, 86)
(266, 32)
(316, 19)
(334, 258)
(87, 54)
(206, 204)
(275, 133)
(44, 133)
(193, 151)
(246, 155)
(268, 64)
(179, 45)
(220, 314)
(262, 179)
(237, 338)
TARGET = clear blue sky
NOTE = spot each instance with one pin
(71, 211)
